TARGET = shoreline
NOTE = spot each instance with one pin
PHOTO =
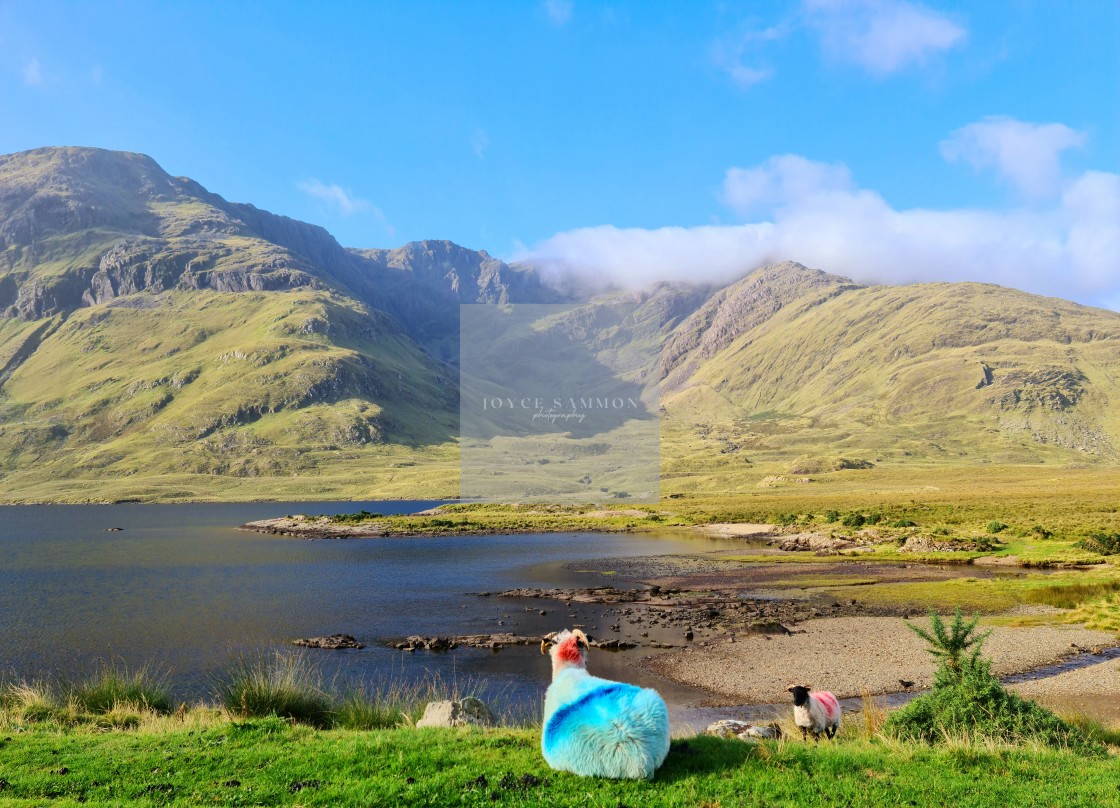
(764, 630)
(324, 527)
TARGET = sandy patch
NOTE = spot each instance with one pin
(736, 530)
(604, 514)
(850, 656)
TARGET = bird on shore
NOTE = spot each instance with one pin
(595, 727)
(906, 684)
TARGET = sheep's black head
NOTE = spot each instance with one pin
(800, 695)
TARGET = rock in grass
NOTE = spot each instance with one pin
(464, 713)
(742, 731)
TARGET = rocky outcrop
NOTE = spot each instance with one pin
(334, 642)
(312, 527)
(494, 642)
(812, 542)
(928, 544)
(739, 308)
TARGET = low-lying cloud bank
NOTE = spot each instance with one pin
(1067, 245)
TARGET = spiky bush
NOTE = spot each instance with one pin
(968, 701)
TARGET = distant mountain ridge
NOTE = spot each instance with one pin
(81, 226)
(160, 342)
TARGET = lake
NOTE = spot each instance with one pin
(179, 586)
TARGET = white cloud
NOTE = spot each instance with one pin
(342, 201)
(745, 76)
(390, 229)
(731, 54)
(334, 196)
(559, 11)
(780, 180)
(1028, 155)
(480, 142)
(882, 36)
(33, 74)
(816, 215)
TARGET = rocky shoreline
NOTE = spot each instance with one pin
(312, 527)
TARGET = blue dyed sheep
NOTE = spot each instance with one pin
(597, 728)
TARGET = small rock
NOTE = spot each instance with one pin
(467, 712)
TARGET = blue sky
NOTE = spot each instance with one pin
(888, 140)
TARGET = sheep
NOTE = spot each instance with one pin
(595, 727)
(815, 712)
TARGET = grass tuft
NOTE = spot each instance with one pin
(288, 685)
(113, 686)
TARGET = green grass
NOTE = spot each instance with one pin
(267, 761)
(1074, 591)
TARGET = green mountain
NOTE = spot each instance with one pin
(157, 341)
(161, 341)
(806, 372)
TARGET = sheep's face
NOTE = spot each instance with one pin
(566, 648)
(800, 695)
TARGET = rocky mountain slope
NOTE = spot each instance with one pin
(157, 341)
(150, 330)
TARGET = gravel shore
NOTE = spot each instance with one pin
(851, 656)
(1093, 690)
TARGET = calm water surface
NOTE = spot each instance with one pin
(182, 587)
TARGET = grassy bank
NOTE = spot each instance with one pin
(270, 762)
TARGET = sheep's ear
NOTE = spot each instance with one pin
(545, 645)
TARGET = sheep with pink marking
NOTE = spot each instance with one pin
(815, 712)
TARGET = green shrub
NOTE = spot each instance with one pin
(786, 519)
(996, 527)
(967, 701)
(355, 518)
(1101, 542)
(874, 518)
(853, 520)
(832, 516)
(1042, 532)
(113, 686)
(285, 685)
(904, 523)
